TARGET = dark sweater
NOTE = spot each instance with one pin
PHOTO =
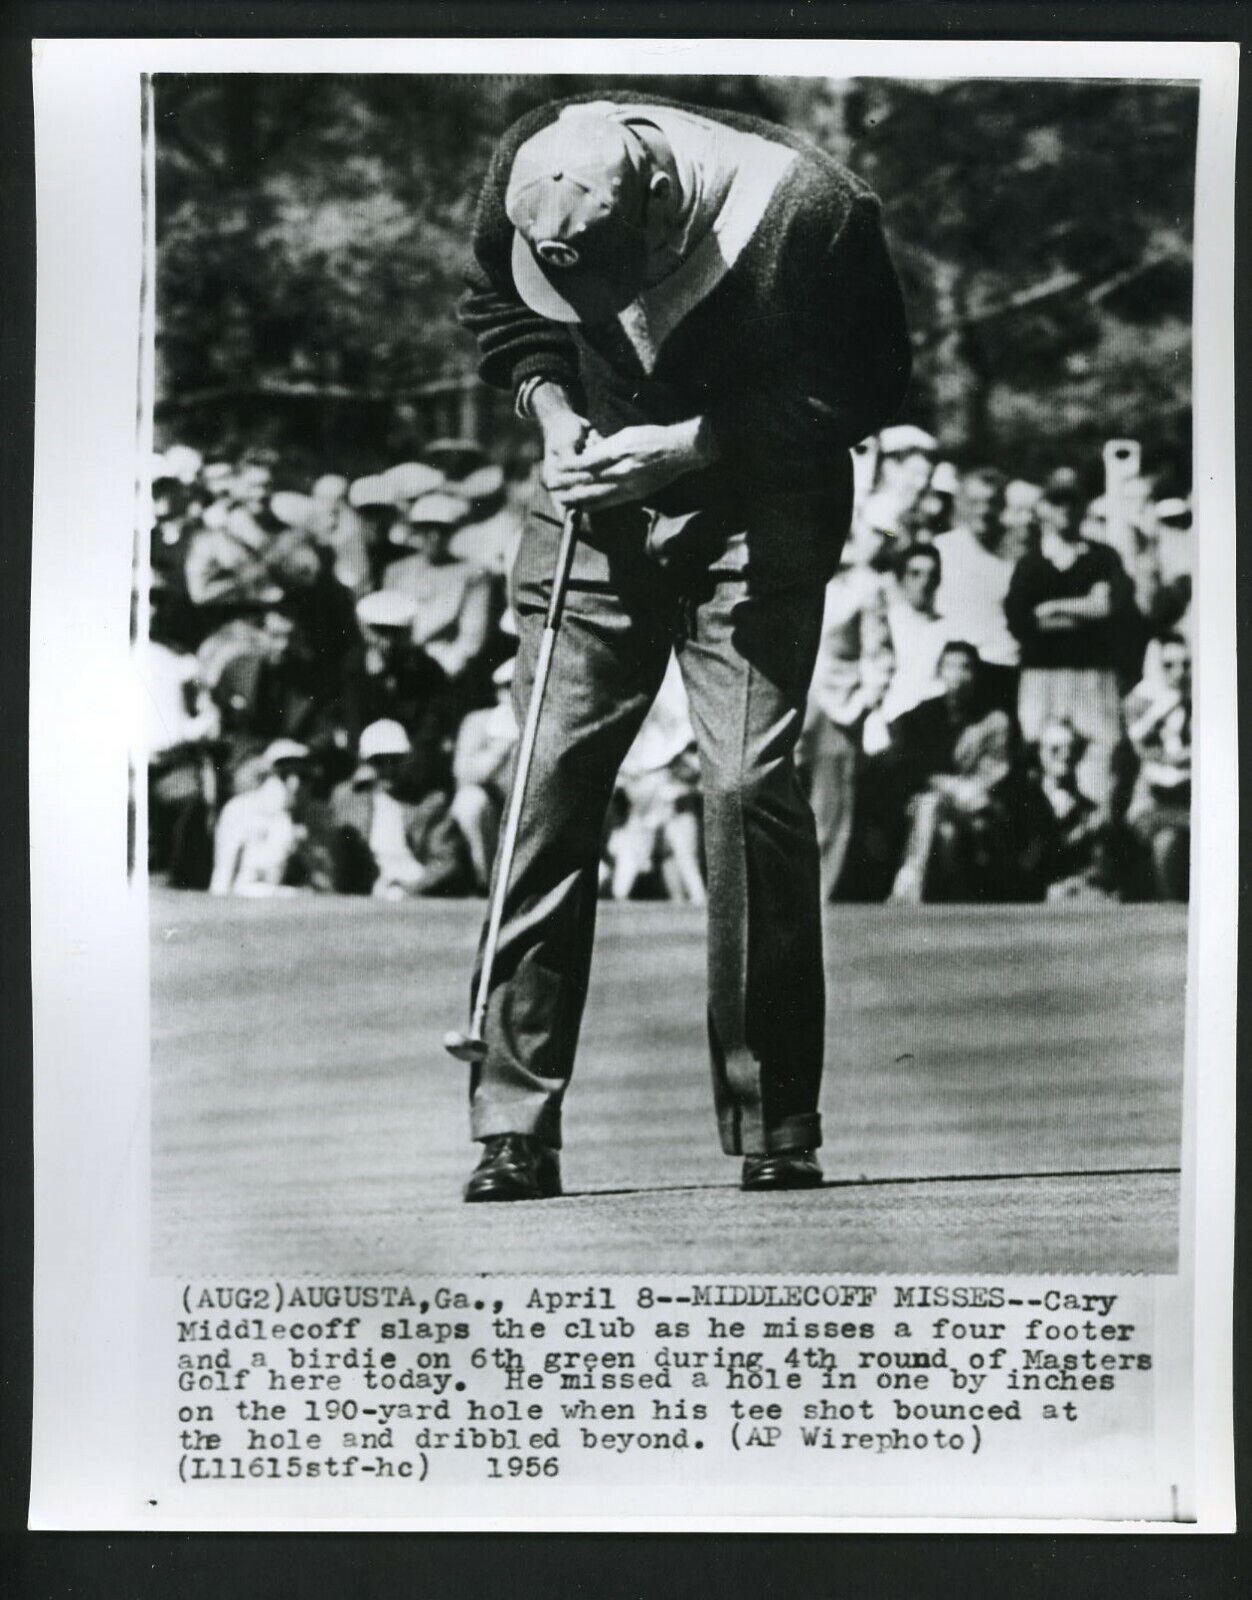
(797, 353)
(1099, 643)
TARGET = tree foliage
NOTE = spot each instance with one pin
(312, 232)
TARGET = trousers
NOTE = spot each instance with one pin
(745, 627)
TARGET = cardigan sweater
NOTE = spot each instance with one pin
(791, 341)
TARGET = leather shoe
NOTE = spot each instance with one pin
(782, 1169)
(515, 1166)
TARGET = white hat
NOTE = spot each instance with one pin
(443, 510)
(504, 672)
(217, 472)
(383, 738)
(1021, 493)
(158, 468)
(904, 439)
(943, 480)
(371, 491)
(411, 478)
(183, 463)
(1173, 510)
(292, 509)
(386, 608)
(330, 486)
(482, 483)
(284, 750)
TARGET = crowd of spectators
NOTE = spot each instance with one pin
(1000, 709)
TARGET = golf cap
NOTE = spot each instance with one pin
(330, 487)
(906, 440)
(483, 483)
(503, 675)
(1020, 493)
(371, 491)
(386, 609)
(383, 738)
(284, 750)
(292, 510)
(411, 478)
(1173, 510)
(944, 480)
(183, 462)
(576, 198)
(439, 510)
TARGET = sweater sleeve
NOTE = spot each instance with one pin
(867, 354)
(514, 342)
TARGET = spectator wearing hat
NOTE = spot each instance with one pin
(906, 460)
(954, 759)
(382, 844)
(934, 513)
(338, 526)
(265, 692)
(451, 598)
(387, 677)
(1070, 606)
(484, 749)
(260, 831)
(384, 526)
(1158, 724)
(974, 582)
(182, 728)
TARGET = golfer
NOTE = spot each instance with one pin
(698, 310)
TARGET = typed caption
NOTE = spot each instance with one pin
(406, 1386)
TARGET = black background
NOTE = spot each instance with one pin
(566, 1567)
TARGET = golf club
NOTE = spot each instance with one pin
(471, 1046)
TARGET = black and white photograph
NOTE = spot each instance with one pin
(653, 725)
(702, 567)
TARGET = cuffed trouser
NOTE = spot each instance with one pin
(747, 654)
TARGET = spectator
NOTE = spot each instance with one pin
(935, 507)
(182, 726)
(451, 599)
(905, 460)
(381, 844)
(954, 758)
(1067, 850)
(844, 725)
(1018, 519)
(480, 770)
(490, 536)
(260, 832)
(1158, 718)
(1069, 605)
(263, 693)
(975, 581)
(387, 677)
(658, 836)
(340, 529)
(916, 630)
(380, 517)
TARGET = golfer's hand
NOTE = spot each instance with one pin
(630, 465)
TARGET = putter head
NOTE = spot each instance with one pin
(464, 1047)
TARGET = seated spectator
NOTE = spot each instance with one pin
(182, 728)
(451, 598)
(1067, 849)
(387, 677)
(1158, 721)
(381, 844)
(260, 831)
(481, 761)
(658, 835)
(975, 580)
(936, 505)
(264, 693)
(953, 755)
(916, 630)
(493, 530)
(342, 530)
(1070, 607)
